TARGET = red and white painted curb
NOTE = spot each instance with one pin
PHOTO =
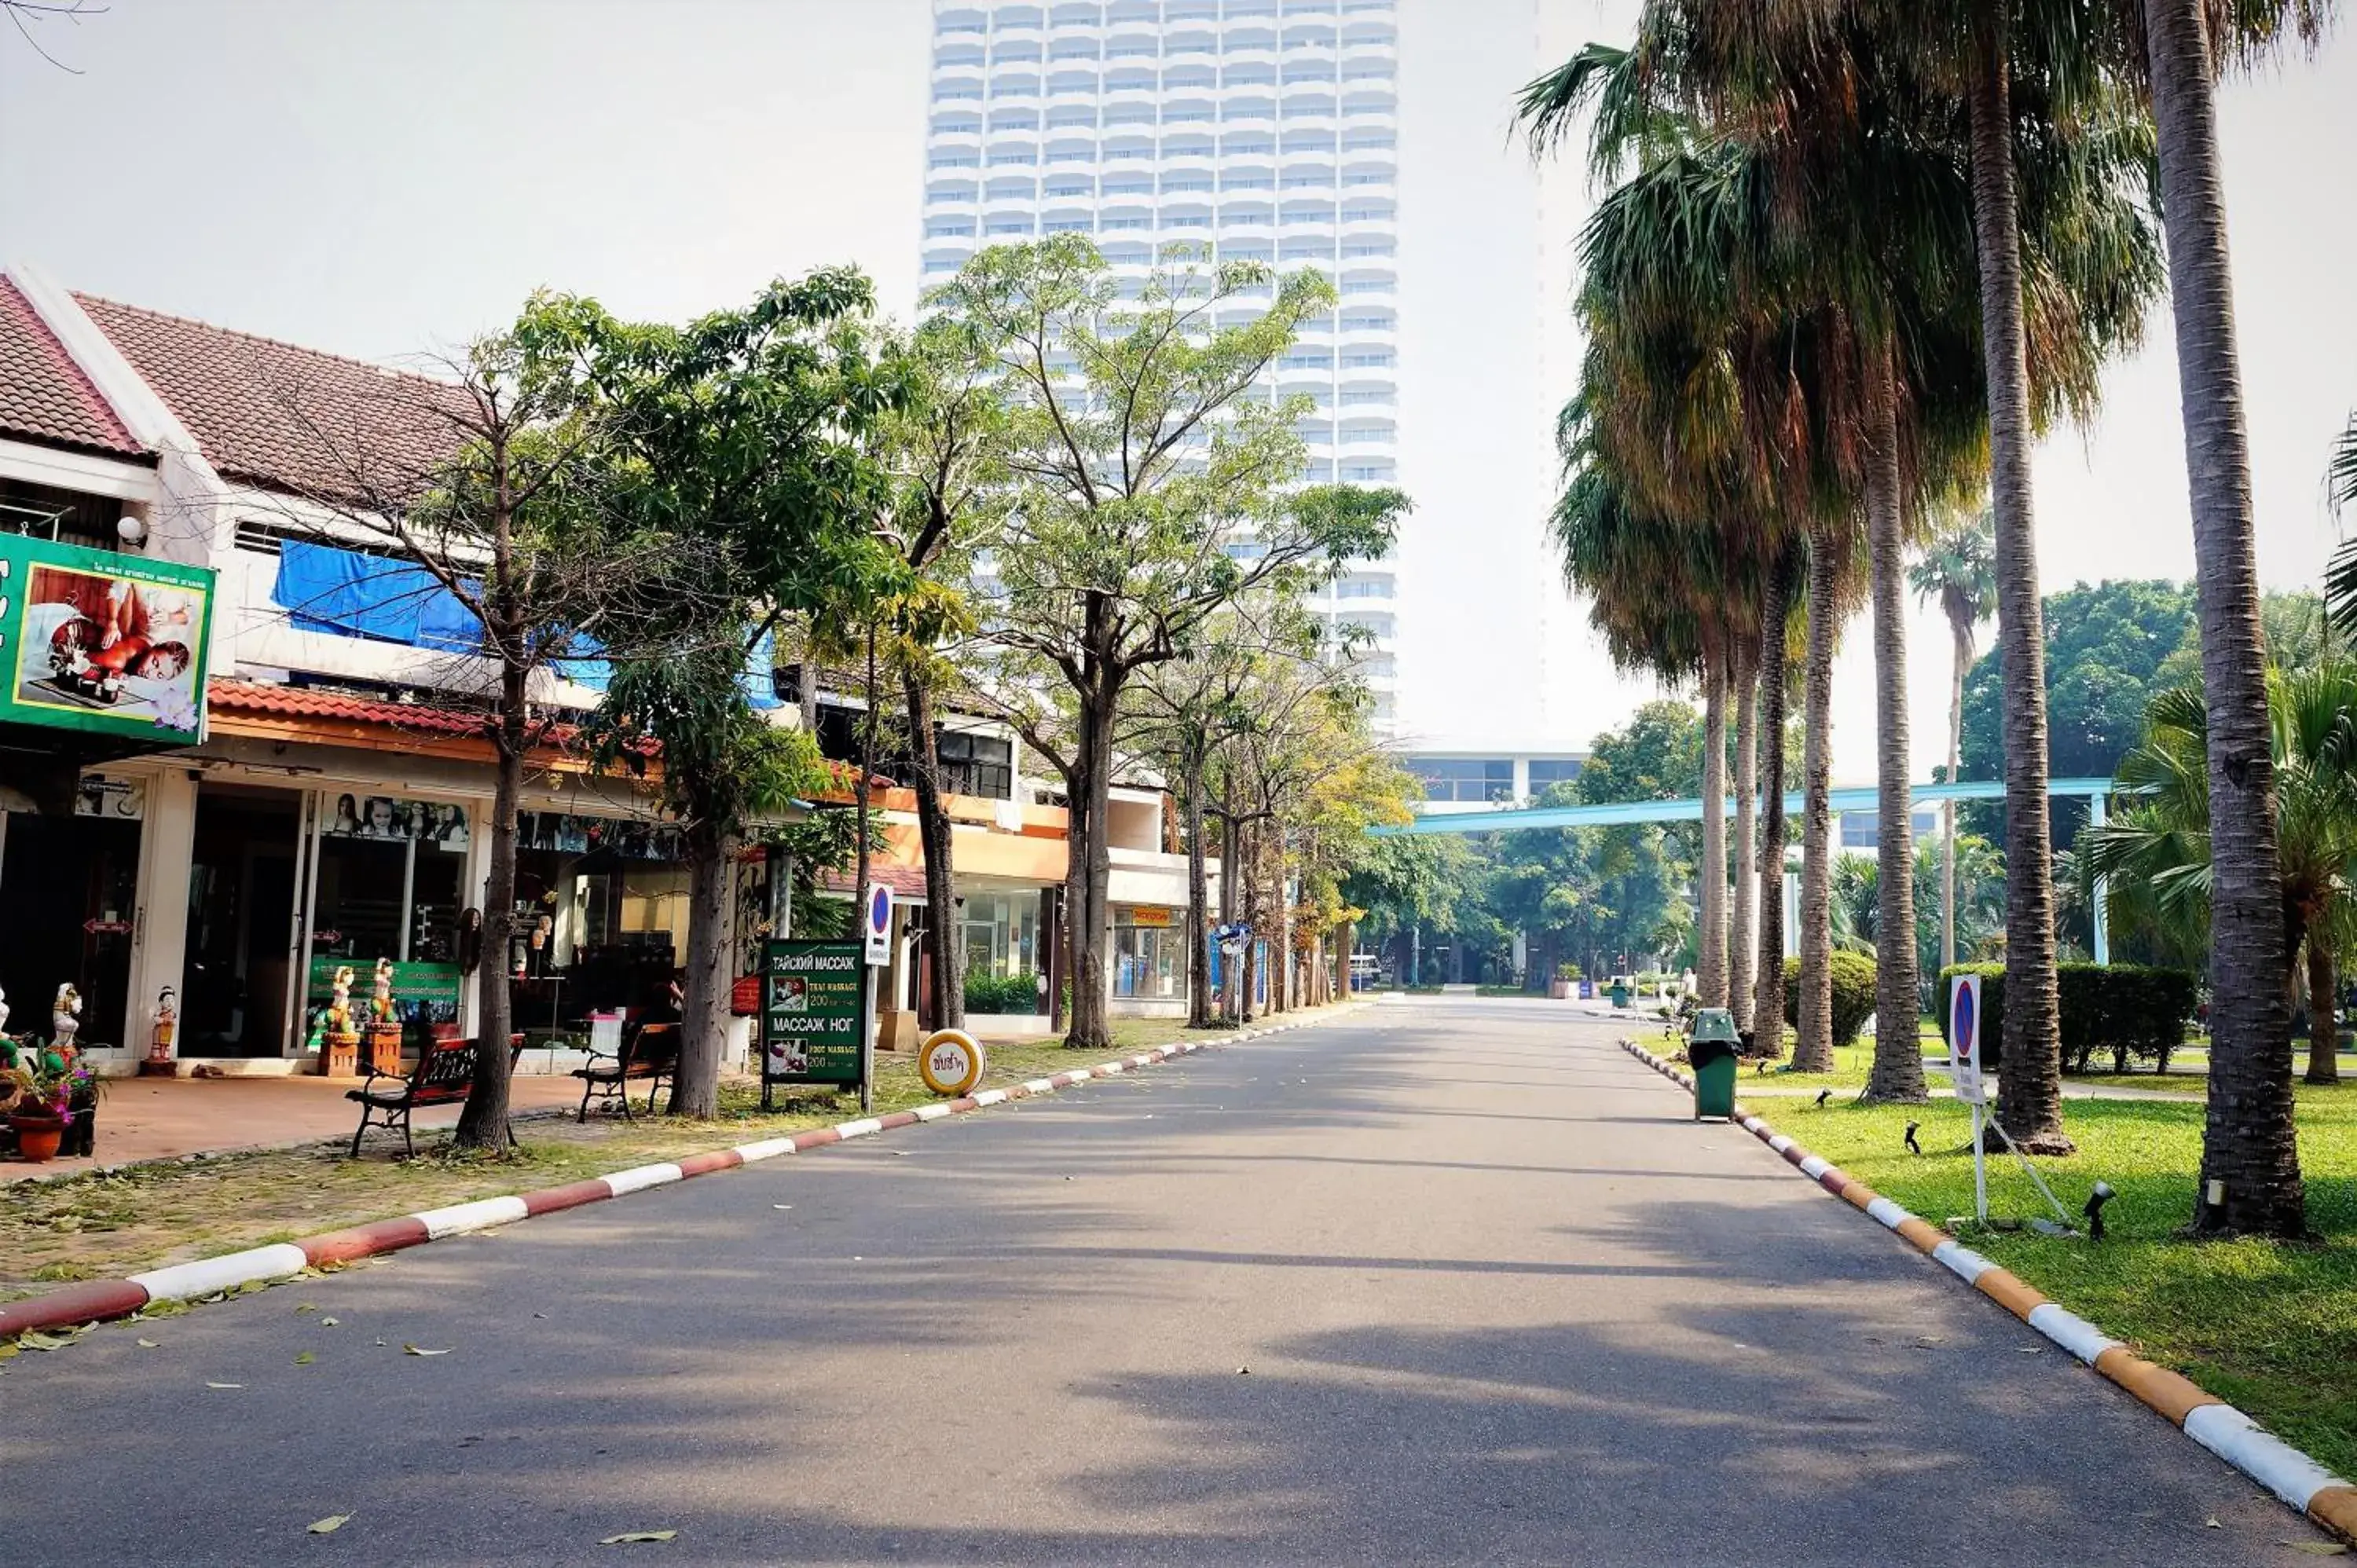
(2208, 1419)
(101, 1300)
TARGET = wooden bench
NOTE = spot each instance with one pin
(445, 1075)
(650, 1054)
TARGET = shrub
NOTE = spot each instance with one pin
(2127, 1009)
(1566, 970)
(1853, 995)
(1002, 993)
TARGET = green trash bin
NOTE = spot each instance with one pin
(1710, 1053)
(1620, 996)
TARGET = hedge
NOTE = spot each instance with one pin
(1853, 993)
(1002, 993)
(2127, 1009)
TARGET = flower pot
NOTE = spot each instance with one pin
(38, 1136)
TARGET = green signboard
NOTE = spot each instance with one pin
(422, 993)
(105, 643)
(813, 1014)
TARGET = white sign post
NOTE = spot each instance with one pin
(877, 926)
(1964, 1072)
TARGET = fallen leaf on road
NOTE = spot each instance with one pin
(634, 1537)
(2319, 1548)
(2211, 1524)
(304, 1358)
(327, 1323)
(330, 1525)
(34, 1339)
(782, 1206)
(415, 1350)
(307, 1307)
(1244, 1372)
(145, 1343)
(2028, 1350)
(225, 1385)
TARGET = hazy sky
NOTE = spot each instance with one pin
(379, 178)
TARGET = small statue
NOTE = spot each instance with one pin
(339, 1009)
(65, 1020)
(4, 1011)
(381, 1002)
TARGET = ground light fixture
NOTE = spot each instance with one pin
(1824, 1095)
(2095, 1201)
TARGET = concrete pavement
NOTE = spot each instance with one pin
(1443, 1282)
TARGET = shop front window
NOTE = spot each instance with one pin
(391, 885)
(1002, 932)
(1149, 953)
(68, 890)
(600, 921)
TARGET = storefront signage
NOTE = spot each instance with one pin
(389, 818)
(1150, 915)
(117, 799)
(813, 1012)
(627, 839)
(103, 643)
(424, 993)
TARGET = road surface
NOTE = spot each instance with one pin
(1443, 1282)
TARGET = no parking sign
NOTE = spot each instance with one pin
(1964, 1037)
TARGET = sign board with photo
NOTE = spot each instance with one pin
(117, 799)
(813, 1014)
(103, 642)
(626, 838)
(422, 993)
(392, 819)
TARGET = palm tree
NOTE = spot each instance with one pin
(2163, 845)
(1957, 569)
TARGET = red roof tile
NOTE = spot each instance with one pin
(44, 396)
(285, 417)
(262, 700)
(907, 882)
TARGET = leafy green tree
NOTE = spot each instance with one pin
(1138, 452)
(740, 436)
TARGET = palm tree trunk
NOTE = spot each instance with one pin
(2250, 1159)
(1898, 1072)
(1712, 873)
(1962, 662)
(2029, 1086)
(1813, 1051)
(1747, 817)
(2323, 1012)
(1768, 1004)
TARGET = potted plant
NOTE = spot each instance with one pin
(43, 1084)
(1566, 981)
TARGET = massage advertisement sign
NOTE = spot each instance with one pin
(104, 643)
(813, 1012)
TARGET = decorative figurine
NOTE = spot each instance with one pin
(65, 1019)
(380, 1001)
(339, 1009)
(168, 1029)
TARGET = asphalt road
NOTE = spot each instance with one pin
(1500, 1301)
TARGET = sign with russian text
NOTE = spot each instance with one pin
(813, 1012)
(103, 642)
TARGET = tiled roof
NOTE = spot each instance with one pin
(907, 882)
(44, 396)
(284, 417)
(262, 700)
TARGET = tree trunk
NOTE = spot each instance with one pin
(861, 790)
(1280, 998)
(1813, 1050)
(2250, 1158)
(483, 1123)
(1898, 1070)
(705, 985)
(1248, 970)
(1962, 663)
(947, 985)
(1768, 1004)
(1711, 875)
(1746, 819)
(1091, 1028)
(1198, 906)
(2029, 1083)
(2323, 1012)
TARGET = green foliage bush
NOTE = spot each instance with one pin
(2128, 1009)
(1566, 970)
(1853, 995)
(1002, 993)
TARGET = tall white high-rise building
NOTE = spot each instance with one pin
(1264, 129)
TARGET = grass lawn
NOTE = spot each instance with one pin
(1850, 1065)
(2267, 1326)
(104, 1226)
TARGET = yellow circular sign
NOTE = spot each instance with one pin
(951, 1062)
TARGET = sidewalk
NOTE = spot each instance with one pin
(168, 1118)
